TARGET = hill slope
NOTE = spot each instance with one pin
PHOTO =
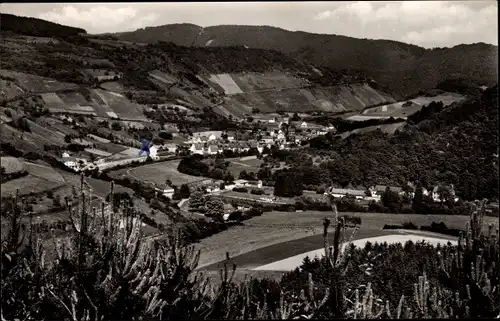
(99, 75)
(453, 145)
(403, 68)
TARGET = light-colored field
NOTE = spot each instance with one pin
(112, 86)
(53, 100)
(120, 105)
(163, 77)
(397, 110)
(367, 117)
(158, 173)
(389, 129)
(97, 152)
(12, 164)
(131, 152)
(280, 227)
(295, 261)
(227, 83)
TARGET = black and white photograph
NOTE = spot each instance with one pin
(249, 160)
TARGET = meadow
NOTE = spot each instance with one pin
(12, 164)
(303, 230)
(158, 173)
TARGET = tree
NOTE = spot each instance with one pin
(445, 194)
(184, 191)
(67, 139)
(116, 126)
(168, 183)
(391, 200)
(197, 201)
(287, 184)
(255, 110)
(418, 199)
(295, 117)
(214, 208)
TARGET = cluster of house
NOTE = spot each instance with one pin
(213, 142)
(375, 193)
(77, 164)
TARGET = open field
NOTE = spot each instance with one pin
(113, 86)
(158, 173)
(163, 77)
(397, 110)
(295, 261)
(120, 105)
(389, 129)
(28, 184)
(367, 117)
(97, 152)
(12, 164)
(36, 83)
(279, 227)
(45, 172)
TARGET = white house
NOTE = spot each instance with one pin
(168, 192)
(153, 152)
(240, 182)
(197, 148)
(65, 155)
(212, 149)
(171, 148)
(70, 162)
(303, 125)
(230, 138)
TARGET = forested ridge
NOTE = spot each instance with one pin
(456, 145)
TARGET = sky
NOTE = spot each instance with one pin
(425, 23)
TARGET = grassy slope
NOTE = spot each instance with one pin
(279, 227)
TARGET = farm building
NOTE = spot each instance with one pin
(197, 148)
(208, 135)
(380, 189)
(213, 149)
(341, 192)
(171, 148)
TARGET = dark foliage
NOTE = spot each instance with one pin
(36, 27)
(455, 146)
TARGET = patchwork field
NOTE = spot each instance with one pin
(12, 164)
(158, 173)
(280, 227)
(120, 105)
(329, 99)
(35, 83)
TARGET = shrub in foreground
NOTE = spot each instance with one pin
(102, 271)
